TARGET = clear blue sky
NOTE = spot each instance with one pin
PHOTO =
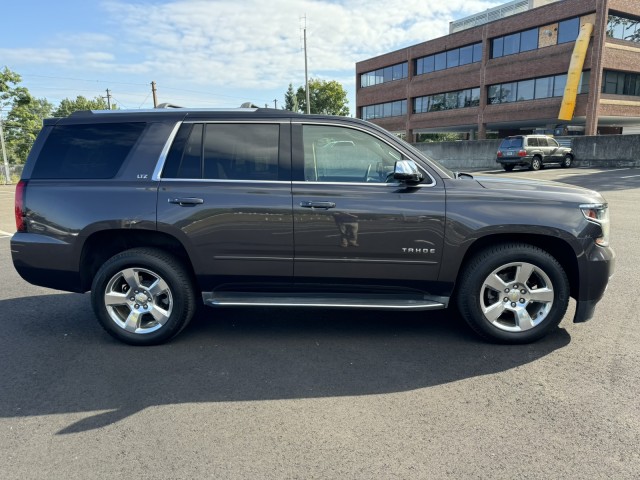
(207, 53)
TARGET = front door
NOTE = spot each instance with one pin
(353, 223)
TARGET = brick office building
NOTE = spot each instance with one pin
(505, 71)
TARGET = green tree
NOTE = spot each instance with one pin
(24, 118)
(325, 97)
(68, 106)
(24, 122)
(290, 100)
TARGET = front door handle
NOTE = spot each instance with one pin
(325, 205)
(187, 201)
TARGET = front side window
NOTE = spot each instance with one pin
(339, 154)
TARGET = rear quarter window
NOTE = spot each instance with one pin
(86, 151)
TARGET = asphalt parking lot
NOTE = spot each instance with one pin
(288, 394)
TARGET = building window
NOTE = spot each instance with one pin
(621, 83)
(623, 28)
(382, 110)
(568, 30)
(514, 43)
(384, 75)
(469, 97)
(536, 88)
(449, 59)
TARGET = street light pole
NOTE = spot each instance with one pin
(306, 77)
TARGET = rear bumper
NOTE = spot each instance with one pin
(45, 261)
(514, 160)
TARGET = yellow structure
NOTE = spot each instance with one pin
(575, 71)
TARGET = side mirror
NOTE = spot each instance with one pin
(407, 171)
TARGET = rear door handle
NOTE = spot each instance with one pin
(325, 205)
(187, 201)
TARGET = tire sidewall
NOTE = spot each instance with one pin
(470, 292)
(162, 265)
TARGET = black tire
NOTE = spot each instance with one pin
(536, 163)
(568, 160)
(151, 296)
(513, 293)
(508, 168)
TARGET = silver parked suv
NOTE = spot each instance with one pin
(533, 151)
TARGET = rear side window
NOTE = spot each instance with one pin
(225, 152)
(511, 143)
(87, 151)
(533, 142)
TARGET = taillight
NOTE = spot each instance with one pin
(499, 153)
(522, 153)
(21, 189)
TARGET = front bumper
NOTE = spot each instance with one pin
(594, 279)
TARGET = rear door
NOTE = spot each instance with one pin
(225, 193)
(354, 224)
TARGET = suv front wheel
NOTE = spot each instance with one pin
(513, 293)
(143, 296)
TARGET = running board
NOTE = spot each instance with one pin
(376, 302)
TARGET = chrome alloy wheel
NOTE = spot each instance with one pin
(138, 300)
(516, 297)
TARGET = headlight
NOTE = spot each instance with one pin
(598, 213)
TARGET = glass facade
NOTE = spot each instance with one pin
(514, 43)
(449, 59)
(621, 83)
(623, 28)
(447, 101)
(383, 110)
(384, 75)
(533, 89)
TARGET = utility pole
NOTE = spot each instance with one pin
(7, 174)
(306, 76)
(155, 97)
(108, 97)
(275, 103)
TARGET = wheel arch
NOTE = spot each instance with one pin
(555, 246)
(104, 244)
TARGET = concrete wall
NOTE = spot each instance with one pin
(596, 151)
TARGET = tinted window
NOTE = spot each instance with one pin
(453, 58)
(466, 55)
(529, 40)
(241, 151)
(568, 30)
(337, 154)
(224, 151)
(526, 89)
(87, 151)
(533, 142)
(559, 83)
(544, 87)
(511, 44)
(441, 61)
(542, 141)
(496, 47)
(511, 143)
(477, 52)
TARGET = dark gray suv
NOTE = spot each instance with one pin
(532, 151)
(158, 211)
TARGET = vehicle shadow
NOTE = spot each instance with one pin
(55, 358)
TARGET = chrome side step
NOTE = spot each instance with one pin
(376, 302)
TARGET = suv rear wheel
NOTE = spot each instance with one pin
(143, 296)
(513, 293)
(536, 163)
